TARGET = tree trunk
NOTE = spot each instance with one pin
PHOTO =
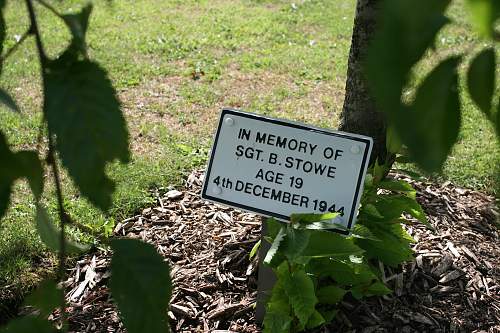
(359, 114)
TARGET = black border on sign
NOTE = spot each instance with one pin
(225, 112)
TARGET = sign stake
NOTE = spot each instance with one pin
(266, 276)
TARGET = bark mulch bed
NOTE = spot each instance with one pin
(453, 285)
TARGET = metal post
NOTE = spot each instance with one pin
(266, 278)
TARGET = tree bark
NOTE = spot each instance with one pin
(359, 113)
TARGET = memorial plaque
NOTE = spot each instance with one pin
(276, 168)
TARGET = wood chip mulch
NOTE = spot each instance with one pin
(453, 285)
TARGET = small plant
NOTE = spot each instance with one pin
(316, 268)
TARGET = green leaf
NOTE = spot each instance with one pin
(330, 294)
(84, 113)
(78, 23)
(7, 100)
(484, 13)
(371, 210)
(315, 320)
(433, 120)
(51, 236)
(273, 227)
(481, 80)
(377, 288)
(140, 285)
(305, 219)
(254, 250)
(329, 244)
(300, 290)
(294, 243)
(28, 324)
(47, 297)
(277, 318)
(392, 246)
(392, 206)
(329, 315)
(345, 272)
(361, 231)
(30, 167)
(398, 186)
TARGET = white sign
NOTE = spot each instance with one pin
(277, 168)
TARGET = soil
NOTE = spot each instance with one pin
(453, 285)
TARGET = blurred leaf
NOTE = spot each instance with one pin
(84, 113)
(140, 285)
(31, 167)
(46, 298)
(78, 23)
(408, 28)
(7, 100)
(29, 324)
(51, 236)
(393, 142)
(330, 294)
(484, 13)
(432, 122)
(481, 80)
(300, 290)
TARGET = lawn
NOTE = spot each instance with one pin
(175, 64)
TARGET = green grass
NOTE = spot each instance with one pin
(175, 63)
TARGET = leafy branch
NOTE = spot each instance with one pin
(86, 130)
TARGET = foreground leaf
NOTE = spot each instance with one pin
(51, 236)
(433, 120)
(484, 13)
(409, 28)
(481, 80)
(140, 285)
(84, 113)
(46, 298)
(28, 324)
